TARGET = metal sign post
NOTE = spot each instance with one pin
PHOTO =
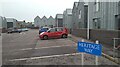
(90, 48)
(96, 58)
(82, 57)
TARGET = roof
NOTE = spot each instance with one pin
(76, 4)
(59, 16)
(44, 17)
(69, 11)
(37, 17)
(10, 19)
(51, 17)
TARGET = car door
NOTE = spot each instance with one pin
(59, 32)
(52, 33)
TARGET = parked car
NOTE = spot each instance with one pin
(44, 29)
(14, 30)
(24, 29)
(58, 32)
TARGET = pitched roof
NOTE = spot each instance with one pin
(37, 17)
(44, 17)
(50, 17)
(76, 4)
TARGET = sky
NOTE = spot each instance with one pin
(29, 9)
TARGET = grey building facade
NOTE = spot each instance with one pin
(67, 18)
(74, 15)
(103, 15)
(37, 21)
(51, 22)
(3, 22)
(11, 23)
(44, 21)
(59, 20)
(80, 14)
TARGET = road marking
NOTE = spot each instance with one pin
(46, 47)
(43, 57)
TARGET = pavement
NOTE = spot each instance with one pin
(27, 49)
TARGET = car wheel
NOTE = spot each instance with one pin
(45, 37)
(64, 36)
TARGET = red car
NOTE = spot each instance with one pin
(59, 32)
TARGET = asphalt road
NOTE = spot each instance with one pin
(27, 45)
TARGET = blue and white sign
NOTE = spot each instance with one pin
(91, 48)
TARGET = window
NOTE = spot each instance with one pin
(59, 29)
(52, 30)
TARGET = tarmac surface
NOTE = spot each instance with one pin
(27, 49)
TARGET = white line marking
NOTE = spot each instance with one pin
(42, 57)
(46, 47)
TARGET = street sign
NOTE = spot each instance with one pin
(91, 48)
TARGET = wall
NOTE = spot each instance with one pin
(80, 15)
(104, 36)
(105, 15)
(67, 18)
(79, 32)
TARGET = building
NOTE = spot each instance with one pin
(103, 15)
(44, 21)
(80, 14)
(11, 23)
(67, 18)
(51, 22)
(29, 25)
(119, 16)
(59, 20)
(21, 24)
(37, 21)
(3, 24)
(74, 15)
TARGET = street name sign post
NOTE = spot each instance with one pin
(90, 48)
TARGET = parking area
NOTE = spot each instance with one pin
(27, 49)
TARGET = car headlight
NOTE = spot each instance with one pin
(42, 33)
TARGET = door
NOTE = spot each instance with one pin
(59, 32)
(52, 33)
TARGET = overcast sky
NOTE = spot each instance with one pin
(29, 9)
